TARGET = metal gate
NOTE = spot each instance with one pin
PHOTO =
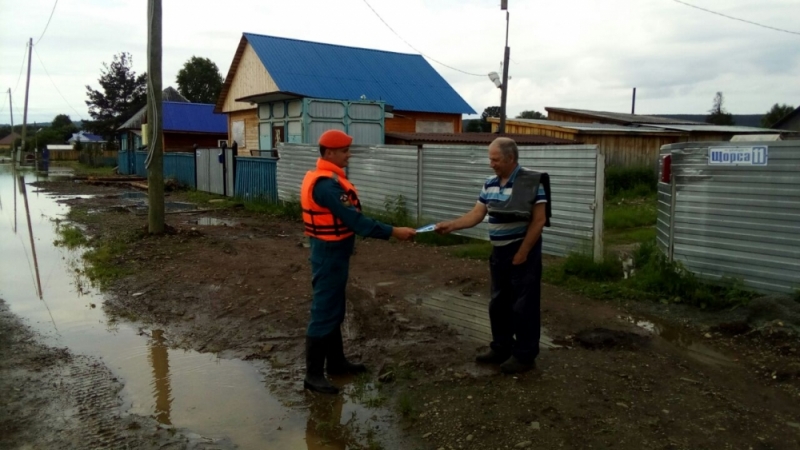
(215, 170)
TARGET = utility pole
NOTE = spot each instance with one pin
(633, 102)
(11, 110)
(155, 158)
(506, 56)
(27, 88)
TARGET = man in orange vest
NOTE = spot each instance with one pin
(332, 218)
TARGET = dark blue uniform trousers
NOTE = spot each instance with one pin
(514, 310)
(330, 266)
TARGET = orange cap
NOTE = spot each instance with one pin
(335, 139)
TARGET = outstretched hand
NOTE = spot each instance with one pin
(444, 228)
(403, 233)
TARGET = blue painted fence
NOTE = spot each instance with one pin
(256, 178)
(140, 169)
(181, 167)
(122, 162)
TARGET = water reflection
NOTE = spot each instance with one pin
(159, 360)
(199, 392)
(682, 340)
(23, 190)
(323, 427)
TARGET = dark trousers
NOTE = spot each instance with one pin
(514, 311)
(330, 266)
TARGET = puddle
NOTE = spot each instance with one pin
(197, 392)
(132, 194)
(213, 222)
(686, 342)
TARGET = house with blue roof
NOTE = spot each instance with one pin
(185, 125)
(86, 138)
(288, 90)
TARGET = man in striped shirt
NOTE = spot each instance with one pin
(516, 261)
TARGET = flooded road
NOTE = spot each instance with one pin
(226, 400)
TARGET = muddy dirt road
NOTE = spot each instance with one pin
(230, 289)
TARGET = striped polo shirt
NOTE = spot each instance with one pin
(503, 231)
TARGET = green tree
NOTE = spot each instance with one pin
(491, 111)
(776, 113)
(199, 80)
(531, 115)
(123, 94)
(63, 127)
(473, 126)
(717, 114)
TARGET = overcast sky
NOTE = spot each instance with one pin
(569, 53)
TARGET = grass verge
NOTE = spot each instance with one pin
(83, 169)
(70, 237)
(104, 262)
(654, 279)
(624, 214)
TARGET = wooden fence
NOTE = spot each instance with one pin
(72, 155)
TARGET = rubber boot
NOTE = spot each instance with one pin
(491, 357)
(337, 363)
(315, 361)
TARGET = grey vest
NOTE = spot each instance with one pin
(523, 197)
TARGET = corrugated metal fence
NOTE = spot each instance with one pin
(295, 161)
(255, 178)
(443, 182)
(740, 221)
(215, 170)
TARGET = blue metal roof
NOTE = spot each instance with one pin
(318, 70)
(193, 117)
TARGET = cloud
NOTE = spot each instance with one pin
(573, 53)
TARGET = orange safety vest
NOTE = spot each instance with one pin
(319, 221)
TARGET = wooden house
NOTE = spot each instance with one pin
(628, 140)
(287, 90)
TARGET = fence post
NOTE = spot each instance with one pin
(419, 183)
(599, 196)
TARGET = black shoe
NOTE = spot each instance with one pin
(491, 357)
(337, 364)
(513, 365)
(315, 380)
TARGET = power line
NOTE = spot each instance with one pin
(21, 66)
(5, 99)
(48, 23)
(736, 18)
(54, 84)
(417, 50)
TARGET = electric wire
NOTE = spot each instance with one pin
(736, 18)
(54, 83)
(416, 49)
(48, 24)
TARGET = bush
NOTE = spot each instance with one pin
(672, 283)
(630, 182)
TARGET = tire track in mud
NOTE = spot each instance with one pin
(96, 404)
